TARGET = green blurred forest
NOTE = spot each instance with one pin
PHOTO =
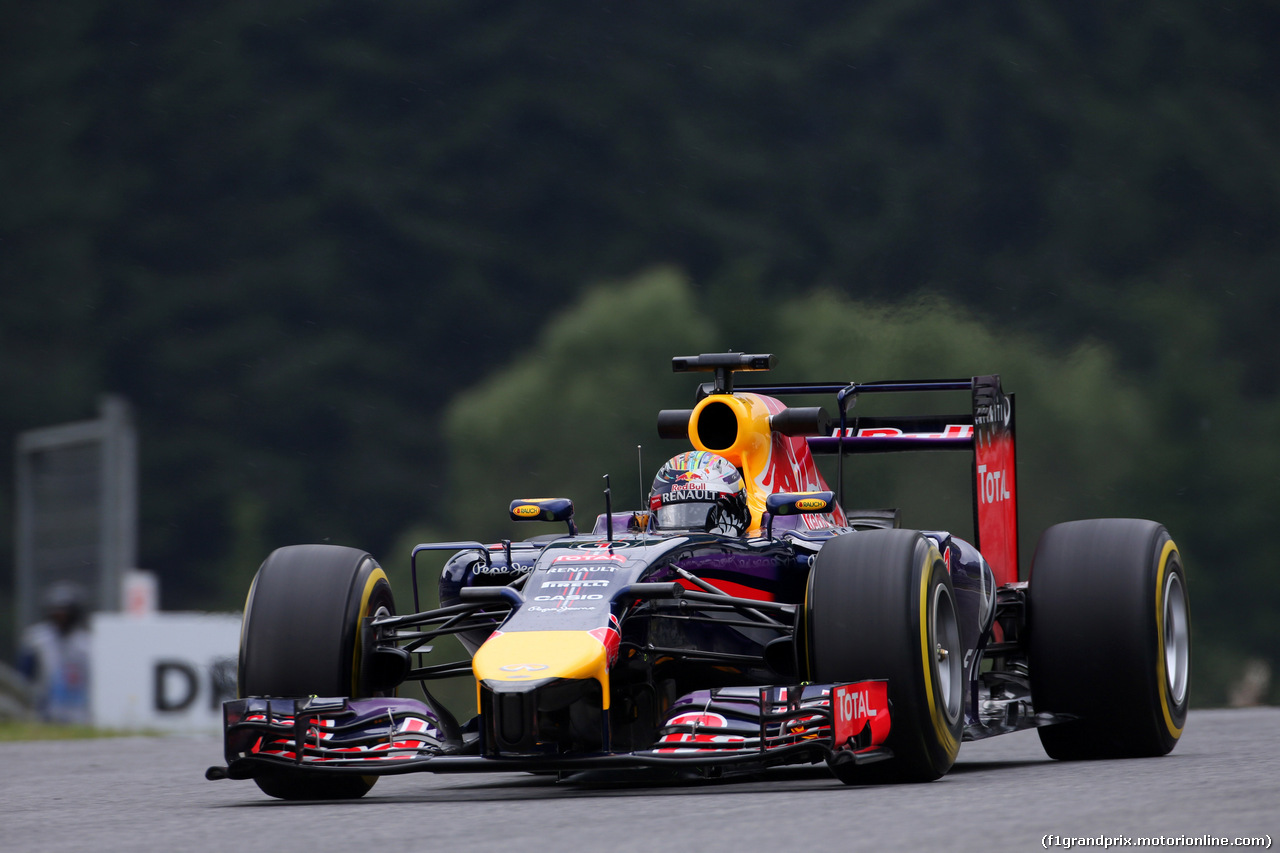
(368, 270)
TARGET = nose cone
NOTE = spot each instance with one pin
(535, 656)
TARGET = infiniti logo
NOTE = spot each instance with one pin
(523, 667)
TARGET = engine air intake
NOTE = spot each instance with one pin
(717, 426)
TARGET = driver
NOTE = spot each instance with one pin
(700, 491)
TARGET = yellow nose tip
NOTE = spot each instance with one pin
(534, 655)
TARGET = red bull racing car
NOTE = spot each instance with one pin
(744, 619)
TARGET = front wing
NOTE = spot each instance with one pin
(747, 727)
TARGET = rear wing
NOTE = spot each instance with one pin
(987, 430)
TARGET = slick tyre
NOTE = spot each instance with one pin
(880, 604)
(1109, 638)
(301, 637)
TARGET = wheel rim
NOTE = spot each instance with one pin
(946, 652)
(1177, 638)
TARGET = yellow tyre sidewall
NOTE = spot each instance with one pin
(370, 583)
(945, 737)
(1169, 554)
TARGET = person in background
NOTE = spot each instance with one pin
(55, 657)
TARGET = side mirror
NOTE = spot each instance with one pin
(797, 503)
(544, 509)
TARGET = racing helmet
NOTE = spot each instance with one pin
(700, 491)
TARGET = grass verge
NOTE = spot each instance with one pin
(22, 730)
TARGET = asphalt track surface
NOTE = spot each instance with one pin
(150, 794)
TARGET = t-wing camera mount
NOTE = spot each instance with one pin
(723, 365)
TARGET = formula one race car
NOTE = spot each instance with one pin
(743, 620)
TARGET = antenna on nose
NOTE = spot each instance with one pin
(640, 479)
(608, 512)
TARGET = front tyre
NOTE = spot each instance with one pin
(301, 637)
(1109, 638)
(880, 604)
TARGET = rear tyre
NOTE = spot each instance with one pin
(880, 604)
(1109, 638)
(301, 637)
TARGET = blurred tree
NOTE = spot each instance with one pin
(574, 406)
(1084, 429)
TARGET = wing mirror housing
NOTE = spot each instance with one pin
(544, 509)
(797, 503)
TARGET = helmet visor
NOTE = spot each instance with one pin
(686, 515)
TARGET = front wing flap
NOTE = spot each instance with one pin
(331, 733)
(764, 721)
(724, 727)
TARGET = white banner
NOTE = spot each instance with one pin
(163, 671)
